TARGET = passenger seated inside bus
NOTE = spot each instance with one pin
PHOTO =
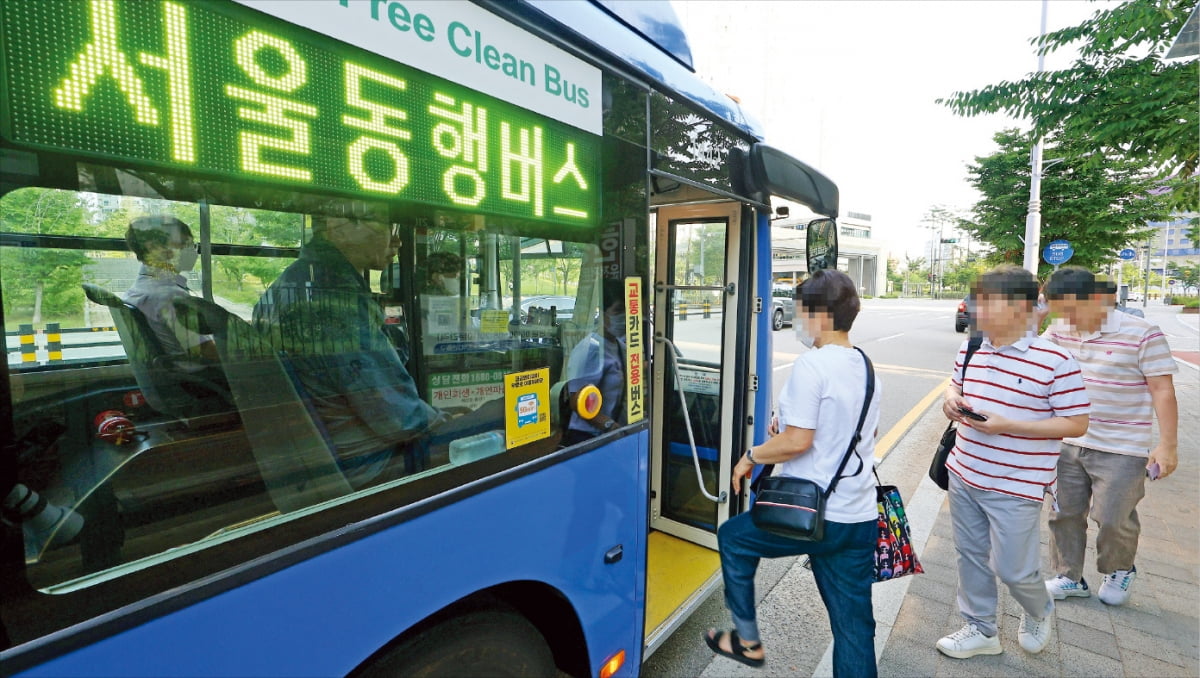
(442, 274)
(322, 314)
(188, 365)
(599, 360)
(166, 250)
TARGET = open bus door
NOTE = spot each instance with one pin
(701, 319)
(706, 323)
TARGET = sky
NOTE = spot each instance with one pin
(848, 86)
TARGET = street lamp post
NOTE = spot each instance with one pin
(941, 256)
(932, 258)
(1166, 251)
(1033, 220)
(1146, 279)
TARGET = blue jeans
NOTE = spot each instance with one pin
(842, 564)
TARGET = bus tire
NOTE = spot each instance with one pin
(482, 643)
(777, 321)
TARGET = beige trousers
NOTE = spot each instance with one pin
(1107, 488)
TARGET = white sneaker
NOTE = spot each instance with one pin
(1034, 633)
(968, 642)
(1062, 587)
(1114, 590)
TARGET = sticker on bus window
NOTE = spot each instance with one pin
(634, 395)
(493, 322)
(699, 380)
(526, 407)
(449, 390)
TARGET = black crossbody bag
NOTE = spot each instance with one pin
(795, 507)
(937, 466)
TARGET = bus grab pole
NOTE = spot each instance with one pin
(687, 420)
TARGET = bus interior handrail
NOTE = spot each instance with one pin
(687, 421)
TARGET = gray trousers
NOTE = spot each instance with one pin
(1107, 487)
(996, 535)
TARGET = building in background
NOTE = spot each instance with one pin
(860, 255)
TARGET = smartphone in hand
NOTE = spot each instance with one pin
(971, 414)
(1153, 471)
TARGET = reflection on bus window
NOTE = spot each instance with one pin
(522, 304)
(698, 313)
(597, 367)
(171, 393)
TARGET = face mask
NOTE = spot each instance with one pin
(186, 259)
(450, 285)
(802, 332)
(616, 325)
(805, 338)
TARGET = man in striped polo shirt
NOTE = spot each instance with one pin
(1018, 397)
(1127, 368)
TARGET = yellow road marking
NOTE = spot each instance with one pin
(880, 367)
(917, 371)
(885, 444)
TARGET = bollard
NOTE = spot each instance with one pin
(707, 309)
(682, 310)
(53, 342)
(28, 345)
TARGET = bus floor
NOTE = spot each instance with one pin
(679, 575)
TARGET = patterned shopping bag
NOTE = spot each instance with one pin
(894, 555)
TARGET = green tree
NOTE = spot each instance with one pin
(1120, 94)
(893, 272)
(962, 273)
(241, 226)
(1188, 274)
(916, 270)
(1099, 208)
(41, 280)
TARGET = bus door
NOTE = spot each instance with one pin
(697, 298)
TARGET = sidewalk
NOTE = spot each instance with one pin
(1156, 634)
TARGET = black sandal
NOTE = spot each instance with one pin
(739, 651)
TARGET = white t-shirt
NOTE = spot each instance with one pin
(825, 393)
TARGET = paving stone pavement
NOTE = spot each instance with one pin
(1157, 633)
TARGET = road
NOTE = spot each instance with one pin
(910, 341)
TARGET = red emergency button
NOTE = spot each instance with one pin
(588, 403)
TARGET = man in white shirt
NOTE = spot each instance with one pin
(1127, 369)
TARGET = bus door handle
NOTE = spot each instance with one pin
(614, 554)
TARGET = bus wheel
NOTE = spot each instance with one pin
(777, 321)
(486, 643)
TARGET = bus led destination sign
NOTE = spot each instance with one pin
(216, 88)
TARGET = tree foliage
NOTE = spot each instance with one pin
(1100, 209)
(1188, 274)
(1120, 93)
(42, 281)
(962, 273)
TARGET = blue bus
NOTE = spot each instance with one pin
(372, 337)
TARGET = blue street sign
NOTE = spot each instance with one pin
(1057, 252)
(1127, 254)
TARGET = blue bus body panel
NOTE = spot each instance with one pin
(610, 35)
(765, 346)
(657, 22)
(323, 616)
